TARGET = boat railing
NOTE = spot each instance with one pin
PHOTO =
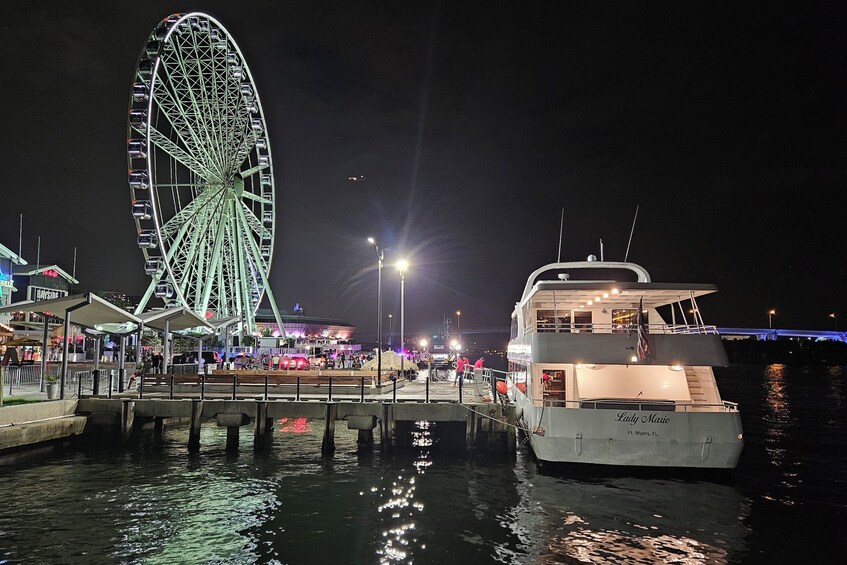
(607, 328)
(649, 406)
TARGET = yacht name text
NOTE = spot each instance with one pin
(652, 418)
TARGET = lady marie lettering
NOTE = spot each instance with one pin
(652, 418)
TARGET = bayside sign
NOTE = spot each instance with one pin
(37, 293)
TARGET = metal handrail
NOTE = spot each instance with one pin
(593, 405)
(608, 328)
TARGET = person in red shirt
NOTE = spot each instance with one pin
(478, 364)
(460, 368)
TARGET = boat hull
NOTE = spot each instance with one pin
(708, 440)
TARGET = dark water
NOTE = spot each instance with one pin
(786, 502)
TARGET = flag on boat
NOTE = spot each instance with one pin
(643, 343)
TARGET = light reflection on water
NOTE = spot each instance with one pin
(159, 504)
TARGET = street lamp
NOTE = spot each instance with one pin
(402, 265)
(459, 325)
(771, 314)
(379, 255)
(390, 331)
(834, 317)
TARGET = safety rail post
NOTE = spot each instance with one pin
(110, 384)
(427, 388)
(171, 391)
(79, 386)
(297, 396)
(121, 378)
(394, 390)
(141, 386)
(362, 390)
(460, 389)
(266, 386)
(330, 389)
(95, 382)
(203, 386)
(234, 384)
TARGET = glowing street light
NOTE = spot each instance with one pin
(402, 265)
(379, 256)
(771, 314)
(390, 331)
(459, 325)
(834, 317)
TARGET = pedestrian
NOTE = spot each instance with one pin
(460, 369)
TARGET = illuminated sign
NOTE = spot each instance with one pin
(37, 293)
(52, 273)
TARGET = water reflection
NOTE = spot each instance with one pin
(399, 541)
(562, 517)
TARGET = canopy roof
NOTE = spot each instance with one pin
(180, 318)
(88, 310)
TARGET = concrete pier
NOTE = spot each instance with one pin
(488, 427)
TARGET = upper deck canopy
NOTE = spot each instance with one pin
(571, 293)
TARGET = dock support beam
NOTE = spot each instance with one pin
(158, 426)
(471, 430)
(194, 431)
(127, 419)
(232, 435)
(386, 427)
(328, 442)
(264, 427)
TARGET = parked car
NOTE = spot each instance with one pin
(294, 362)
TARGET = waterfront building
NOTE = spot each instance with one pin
(41, 283)
(8, 260)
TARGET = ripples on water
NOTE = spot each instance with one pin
(159, 504)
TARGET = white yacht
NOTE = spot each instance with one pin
(599, 376)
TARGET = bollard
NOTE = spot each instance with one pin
(110, 384)
(171, 392)
(460, 390)
(141, 386)
(266, 387)
(234, 384)
(298, 388)
(203, 386)
(362, 391)
(95, 378)
(330, 390)
(121, 376)
(394, 391)
(79, 387)
(427, 388)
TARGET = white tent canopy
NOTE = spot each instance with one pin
(178, 319)
(390, 362)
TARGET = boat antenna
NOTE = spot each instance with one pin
(20, 237)
(561, 225)
(631, 232)
(601, 249)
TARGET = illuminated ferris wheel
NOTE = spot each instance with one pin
(200, 172)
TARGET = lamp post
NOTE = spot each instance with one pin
(402, 265)
(459, 325)
(390, 330)
(771, 314)
(834, 317)
(379, 255)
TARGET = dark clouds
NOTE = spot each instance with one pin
(724, 122)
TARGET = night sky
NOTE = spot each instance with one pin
(474, 124)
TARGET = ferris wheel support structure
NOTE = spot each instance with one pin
(201, 173)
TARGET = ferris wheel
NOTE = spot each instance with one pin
(200, 172)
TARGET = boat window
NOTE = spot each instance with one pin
(582, 321)
(624, 319)
(554, 385)
(514, 330)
